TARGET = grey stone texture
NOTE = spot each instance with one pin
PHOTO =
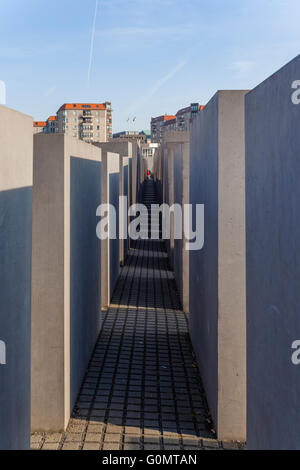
(217, 272)
(273, 270)
(15, 277)
(110, 248)
(66, 267)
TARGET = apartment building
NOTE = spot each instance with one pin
(185, 115)
(169, 125)
(157, 125)
(180, 122)
(131, 136)
(39, 127)
(91, 122)
(51, 127)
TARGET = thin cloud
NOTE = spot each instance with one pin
(178, 31)
(243, 66)
(93, 41)
(158, 85)
(50, 91)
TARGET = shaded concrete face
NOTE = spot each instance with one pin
(114, 245)
(125, 150)
(85, 267)
(65, 302)
(217, 272)
(177, 154)
(178, 244)
(204, 263)
(273, 246)
(126, 183)
(110, 248)
(15, 277)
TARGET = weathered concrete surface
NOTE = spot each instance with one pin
(65, 274)
(124, 219)
(273, 269)
(110, 248)
(85, 266)
(15, 277)
(217, 272)
(178, 149)
(125, 150)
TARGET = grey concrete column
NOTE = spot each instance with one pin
(217, 272)
(110, 249)
(170, 243)
(66, 283)
(185, 279)
(124, 192)
(178, 145)
(273, 264)
(15, 277)
(125, 150)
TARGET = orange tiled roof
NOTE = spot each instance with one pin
(51, 118)
(39, 124)
(85, 106)
(166, 117)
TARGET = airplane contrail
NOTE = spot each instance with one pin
(92, 41)
(159, 84)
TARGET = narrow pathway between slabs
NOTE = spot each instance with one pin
(142, 389)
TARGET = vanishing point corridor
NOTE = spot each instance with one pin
(142, 389)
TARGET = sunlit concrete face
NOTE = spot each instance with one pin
(15, 277)
(125, 151)
(175, 153)
(66, 274)
(217, 272)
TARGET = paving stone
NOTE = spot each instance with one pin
(132, 439)
(152, 432)
(210, 443)
(152, 440)
(36, 438)
(35, 446)
(112, 429)
(76, 428)
(93, 437)
(90, 446)
(132, 430)
(51, 446)
(151, 447)
(132, 447)
(95, 428)
(111, 447)
(52, 438)
(71, 446)
(112, 438)
(70, 437)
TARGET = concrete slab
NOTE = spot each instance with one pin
(273, 270)
(110, 248)
(16, 150)
(217, 272)
(66, 281)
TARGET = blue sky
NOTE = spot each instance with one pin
(149, 57)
